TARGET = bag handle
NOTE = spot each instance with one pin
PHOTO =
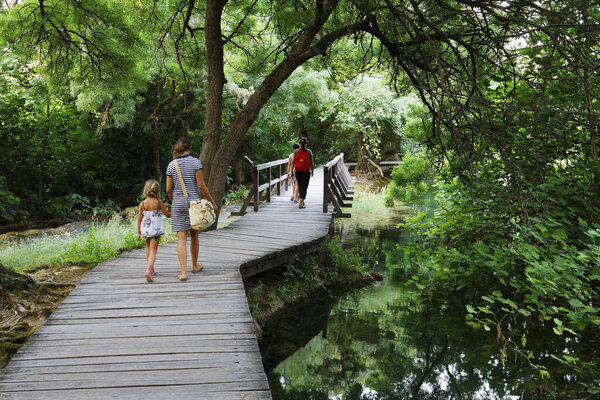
(180, 179)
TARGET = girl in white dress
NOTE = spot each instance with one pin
(150, 224)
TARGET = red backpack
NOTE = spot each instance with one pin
(301, 162)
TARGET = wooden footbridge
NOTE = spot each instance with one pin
(117, 337)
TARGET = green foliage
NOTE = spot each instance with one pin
(408, 183)
(337, 260)
(301, 269)
(79, 41)
(367, 116)
(236, 195)
(542, 270)
(295, 110)
(54, 161)
(369, 108)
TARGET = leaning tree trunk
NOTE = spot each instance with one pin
(300, 53)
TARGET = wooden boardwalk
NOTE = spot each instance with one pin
(117, 337)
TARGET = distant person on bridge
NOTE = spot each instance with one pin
(187, 169)
(304, 167)
(150, 224)
(290, 173)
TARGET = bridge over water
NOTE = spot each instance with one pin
(116, 336)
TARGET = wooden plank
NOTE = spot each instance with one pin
(215, 391)
(149, 359)
(129, 379)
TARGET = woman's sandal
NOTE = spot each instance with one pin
(149, 277)
(182, 279)
(195, 271)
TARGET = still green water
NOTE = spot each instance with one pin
(392, 341)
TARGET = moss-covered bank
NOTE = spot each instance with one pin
(329, 272)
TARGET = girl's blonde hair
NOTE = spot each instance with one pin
(151, 189)
(181, 146)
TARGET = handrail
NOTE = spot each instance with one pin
(260, 167)
(337, 186)
(334, 161)
(255, 195)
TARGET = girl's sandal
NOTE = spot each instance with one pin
(149, 277)
(182, 278)
(195, 271)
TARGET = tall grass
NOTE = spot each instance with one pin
(97, 244)
(369, 202)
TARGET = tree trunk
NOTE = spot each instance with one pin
(362, 163)
(238, 167)
(214, 87)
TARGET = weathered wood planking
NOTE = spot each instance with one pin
(117, 336)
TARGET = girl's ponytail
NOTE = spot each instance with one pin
(151, 189)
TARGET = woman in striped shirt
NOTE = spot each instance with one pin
(191, 172)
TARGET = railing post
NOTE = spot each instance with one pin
(269, 187)
(325, 189)
(255, 187)
(278, 180)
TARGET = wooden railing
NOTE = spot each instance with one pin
(337, 186)
(256, 193)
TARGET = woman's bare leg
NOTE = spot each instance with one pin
(194, 249)
(182, 252)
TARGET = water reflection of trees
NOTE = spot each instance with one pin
(395, 342)
(407, 348)
(392, 342)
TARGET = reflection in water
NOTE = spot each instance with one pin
(392, 341)
(283, 337)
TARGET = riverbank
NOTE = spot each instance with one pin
(330, 269)
(29, 299)
(299, 288)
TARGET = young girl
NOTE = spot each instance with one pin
(150, 224)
